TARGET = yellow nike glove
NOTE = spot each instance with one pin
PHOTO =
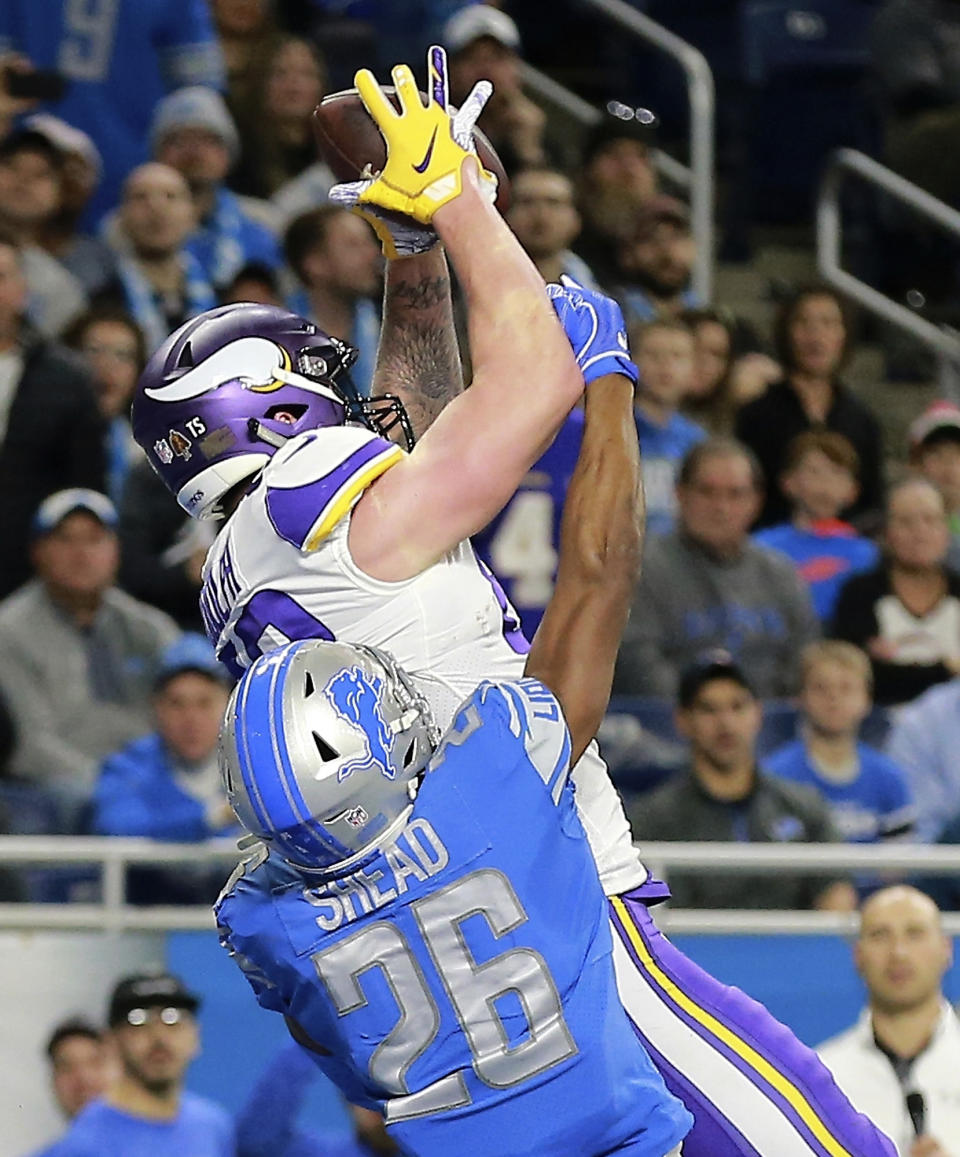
(399, 236)
(425, 147)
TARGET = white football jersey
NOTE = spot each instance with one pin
(281, 570)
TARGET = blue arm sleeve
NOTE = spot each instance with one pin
(533, 717)
(594, 326)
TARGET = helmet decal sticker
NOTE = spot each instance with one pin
(251, 360)
(356, 698)
(163, 452)
(217, 442)
(180, 444)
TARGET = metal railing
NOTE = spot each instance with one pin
(943, 341)
(114, 855)
(698, 177)
(586, 114)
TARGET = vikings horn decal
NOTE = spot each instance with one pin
(255, 361)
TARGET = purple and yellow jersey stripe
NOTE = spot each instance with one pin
(304, 508)
(754, 1089)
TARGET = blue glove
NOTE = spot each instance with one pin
(595, 328)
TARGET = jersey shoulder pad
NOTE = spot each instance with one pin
(317, 477)
(532, 715)
(255, 852)
(242, 912)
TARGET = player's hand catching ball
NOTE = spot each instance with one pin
(426, 145)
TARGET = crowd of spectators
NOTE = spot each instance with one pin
(792, 661)
(177, 169)
(122, 1087)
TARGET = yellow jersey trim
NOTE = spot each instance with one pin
(349, 492)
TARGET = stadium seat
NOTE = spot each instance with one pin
(711, 26)
(29, 810)
(804, 67)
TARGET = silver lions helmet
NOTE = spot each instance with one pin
(321, 748)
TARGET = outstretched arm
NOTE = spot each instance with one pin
(601, 540)
(525, 381)
(418, 358)
(481, 445)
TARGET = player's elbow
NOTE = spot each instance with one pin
(610, 555)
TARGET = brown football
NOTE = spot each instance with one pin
(348, 140)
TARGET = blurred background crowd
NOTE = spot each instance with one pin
(791, 670)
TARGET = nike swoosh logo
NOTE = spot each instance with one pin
(427, 155)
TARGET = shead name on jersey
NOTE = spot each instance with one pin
(417, 853)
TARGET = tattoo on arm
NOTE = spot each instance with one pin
(418, 357)
(421, 295)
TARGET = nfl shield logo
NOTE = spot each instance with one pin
(163, 451)
(356, 817)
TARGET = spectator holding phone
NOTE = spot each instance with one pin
(113, 62)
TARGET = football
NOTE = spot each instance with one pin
(348, 140)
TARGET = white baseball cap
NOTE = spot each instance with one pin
(476, 21)
(66, 138)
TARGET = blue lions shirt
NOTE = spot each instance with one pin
(462, 980)
(875, 805)
(825, 555)
(664, 447)
(200, 1129)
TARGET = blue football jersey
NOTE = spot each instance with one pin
(118, 58)
(521, 545)
(462, 980)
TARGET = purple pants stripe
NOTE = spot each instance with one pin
(751, 1014)
(712, 1132)
(747, 1038)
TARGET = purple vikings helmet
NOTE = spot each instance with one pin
(230, 387)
